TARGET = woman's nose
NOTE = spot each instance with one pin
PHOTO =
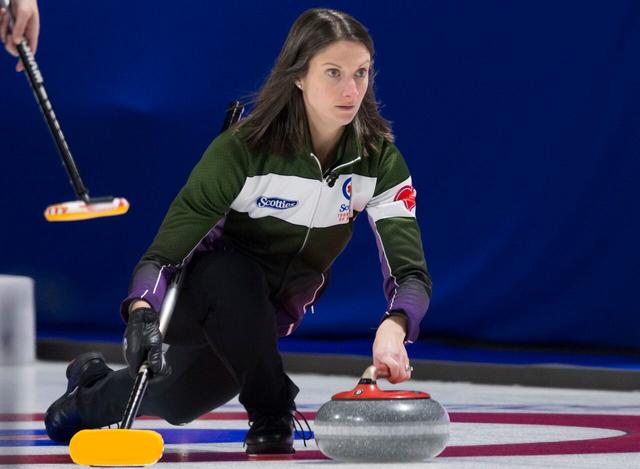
(350, 89)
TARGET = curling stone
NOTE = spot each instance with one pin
(368, 424)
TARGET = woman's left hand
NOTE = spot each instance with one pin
(389, 353)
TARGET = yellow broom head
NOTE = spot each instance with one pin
(116, 448)
(80, 210)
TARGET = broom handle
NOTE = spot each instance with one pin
(34, 76)
(139, 388)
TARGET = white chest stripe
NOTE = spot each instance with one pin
(293, 198)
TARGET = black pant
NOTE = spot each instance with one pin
(222, 341)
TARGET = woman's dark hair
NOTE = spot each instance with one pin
(278, 123)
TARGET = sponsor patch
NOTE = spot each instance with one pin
(407, 195)
(275, 202)
(345, 212)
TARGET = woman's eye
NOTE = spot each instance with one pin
(362, 73)
(333, 72)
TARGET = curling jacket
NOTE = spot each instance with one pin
(283, 212)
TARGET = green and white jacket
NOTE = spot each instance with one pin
(283, 212)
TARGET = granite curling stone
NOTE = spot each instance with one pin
(368, 424)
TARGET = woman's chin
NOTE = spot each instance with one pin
(345, 120)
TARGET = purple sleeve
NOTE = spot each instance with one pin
(407, 283)
(149, 283)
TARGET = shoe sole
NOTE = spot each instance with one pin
(269, 449)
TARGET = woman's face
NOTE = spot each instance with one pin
(335, 84)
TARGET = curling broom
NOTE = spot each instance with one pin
(84, 207)
(124, 446)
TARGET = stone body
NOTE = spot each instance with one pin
(385, 430)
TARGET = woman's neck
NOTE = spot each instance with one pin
(324, 142)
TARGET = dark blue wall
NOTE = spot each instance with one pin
(519, 121)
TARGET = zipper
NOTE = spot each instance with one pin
(330, 177)
(315, 209)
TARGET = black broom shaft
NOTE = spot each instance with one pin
(37, 85)
(139, 388)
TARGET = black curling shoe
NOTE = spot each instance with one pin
(62, 419)
(270, 434)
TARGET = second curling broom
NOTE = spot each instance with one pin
(84, 207)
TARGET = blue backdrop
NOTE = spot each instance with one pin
(519, 121)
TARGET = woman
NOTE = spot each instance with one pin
(257, 226)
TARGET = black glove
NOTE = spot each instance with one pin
(143, 342)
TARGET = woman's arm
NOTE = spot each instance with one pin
(195, 212)
(407, 283)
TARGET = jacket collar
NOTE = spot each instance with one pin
(348, 148)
